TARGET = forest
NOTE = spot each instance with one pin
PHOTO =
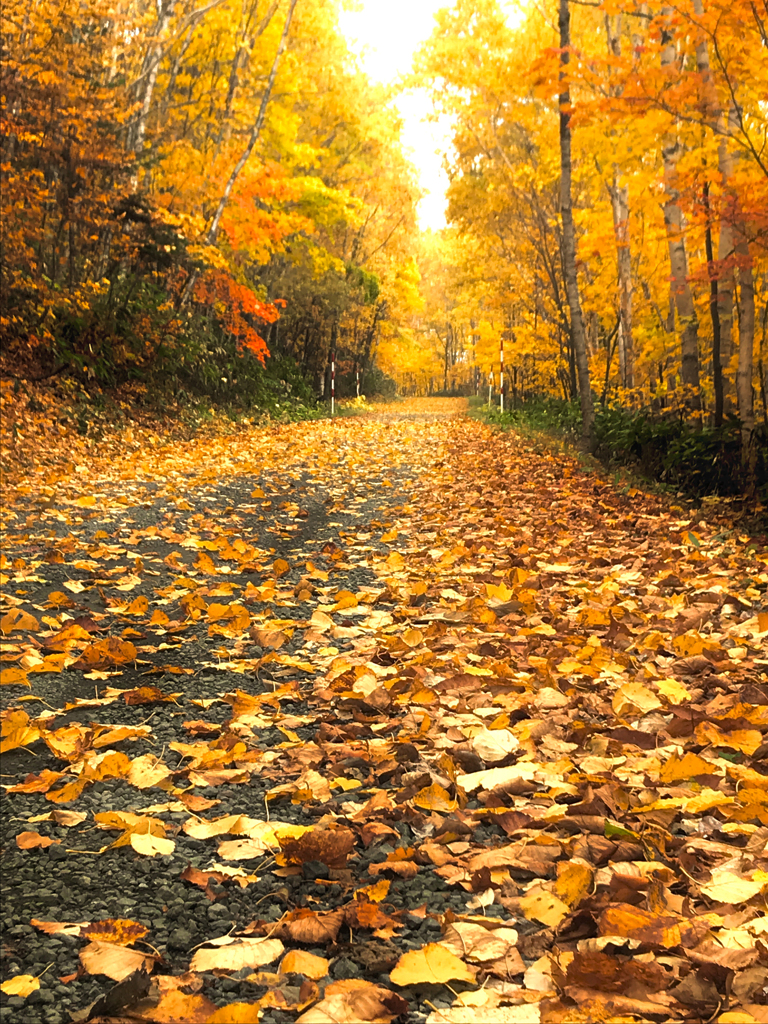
(211, 198)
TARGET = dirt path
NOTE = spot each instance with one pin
(396, 692)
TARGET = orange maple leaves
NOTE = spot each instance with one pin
(235, 305)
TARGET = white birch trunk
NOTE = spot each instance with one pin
(678, 257)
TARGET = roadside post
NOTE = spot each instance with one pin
(333, 382)
(357, 383)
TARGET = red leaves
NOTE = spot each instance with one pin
(236, 306)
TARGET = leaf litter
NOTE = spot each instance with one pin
(440, 724)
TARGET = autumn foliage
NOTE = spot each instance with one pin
(170, 173)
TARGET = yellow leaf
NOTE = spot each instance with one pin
(152, 846)
(138, 606)
(298, 961)
(727, 887)
(574, 880)
(22, 985)
(540, 905)
(13, 677)
(17, 619)
(746, 740)
(431, 965)
(320, 621)
(87, 501)
(375, 893)
(687, 767)
(688, 644)
(413, 637)
(435, 798)
(634, 699)
(674, 691)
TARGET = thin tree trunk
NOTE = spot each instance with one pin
(578, 334)
(213, 230)
(736, 227)
(255, 131)
(150, 70)
(678, 257)
(717, 370)
(619, 193)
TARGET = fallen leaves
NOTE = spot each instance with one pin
(234, 954)
(547, 729)
(354, 1001)
(433, 964)
(103, 654)
(22, 985)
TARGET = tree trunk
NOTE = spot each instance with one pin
(255, 131)
(717, 370)
(735, 231)
(578, 334)
(213, 230)
(149, 72)
(619, 193)
(678, 257)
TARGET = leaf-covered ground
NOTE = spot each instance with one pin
(377, 720)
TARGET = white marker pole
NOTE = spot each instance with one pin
(490, 388)
(501, 375)
(333, 381)
(357, 382)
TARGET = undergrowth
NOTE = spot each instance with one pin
(663, 450)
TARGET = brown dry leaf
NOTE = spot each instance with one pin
(119, 931)
(661, 931)
(147, 695)
(299, 961)
(354, 1001)
(309, 927)
(33, 840)
(109, 653)
(113, 960)
(330, 846)
(273, 638)
(480, 945)
(433, 964)
(236, 954)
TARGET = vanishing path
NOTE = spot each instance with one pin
(449, 676)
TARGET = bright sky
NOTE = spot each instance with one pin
(385, 34)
